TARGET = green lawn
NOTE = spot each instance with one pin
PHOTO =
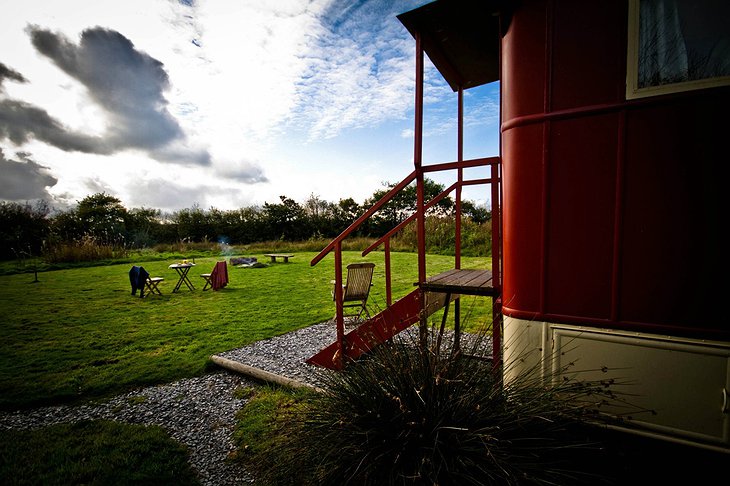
(78, 334)
(93, 453)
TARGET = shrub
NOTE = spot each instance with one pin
(441, 237)
(85, 249)
(402, 416)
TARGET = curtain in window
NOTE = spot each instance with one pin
(662, 49)
(683, 40)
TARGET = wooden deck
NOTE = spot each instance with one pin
(465, 282)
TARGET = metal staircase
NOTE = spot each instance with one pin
(465, 58)
(432, 293)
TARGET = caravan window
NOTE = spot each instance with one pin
(677, 45)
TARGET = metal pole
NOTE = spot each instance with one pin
(460, 159)
(388, 288)
(457, 230)
(496, 267)
(340, 355)
(417, 162)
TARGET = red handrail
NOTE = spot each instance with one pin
(466, 164)
(429, 205)
(410, 218)
(356, 224)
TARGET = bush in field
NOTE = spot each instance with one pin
(476, 239)
(84, 249)
(401, 416)
(23, 228)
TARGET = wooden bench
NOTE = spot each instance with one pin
(274, 256)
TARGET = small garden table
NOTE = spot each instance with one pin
(182, 270)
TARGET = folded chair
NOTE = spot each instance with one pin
(356, 289)
(218, 278)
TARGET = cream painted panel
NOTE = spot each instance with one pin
(522, 347)
(682, 383)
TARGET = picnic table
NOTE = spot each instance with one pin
(182, 270)
(274, 256)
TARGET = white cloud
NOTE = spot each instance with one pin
(273, 95)
(359, 73)
(248, 65)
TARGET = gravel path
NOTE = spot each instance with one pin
(199, 412)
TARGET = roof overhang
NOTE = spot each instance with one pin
(460, 37)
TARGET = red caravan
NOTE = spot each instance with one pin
(614, 125)
(612, 139)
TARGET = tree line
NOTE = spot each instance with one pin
(28, 229)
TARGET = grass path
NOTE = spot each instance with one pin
(78, 333)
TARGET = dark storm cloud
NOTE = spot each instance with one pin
(127, 83)
(246, 172)
(182, 155)
(20, 121)
(129, 86)
(9, 73)
(24, 180)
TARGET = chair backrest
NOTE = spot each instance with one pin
(219, 275)
(359, 278)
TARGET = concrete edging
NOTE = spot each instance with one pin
(258, 373)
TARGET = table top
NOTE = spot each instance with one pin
(467, 282)
(181, 265)
(279, 255)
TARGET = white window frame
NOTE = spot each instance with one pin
(632, 67)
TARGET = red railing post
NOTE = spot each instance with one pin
(388, 287)
(340, 319)
(417, 162)
(496, 264)
(457, 226)
(460, 177)
(496, 224)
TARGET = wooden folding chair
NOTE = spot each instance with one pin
(356, 290)
(140, 279)
(151, 285)
(216, 279)
(207, 276)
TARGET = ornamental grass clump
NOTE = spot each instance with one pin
(406, 416)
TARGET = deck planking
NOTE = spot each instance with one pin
(458, 281)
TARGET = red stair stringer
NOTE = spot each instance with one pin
(372, 332)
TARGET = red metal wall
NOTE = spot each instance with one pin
(611, 208)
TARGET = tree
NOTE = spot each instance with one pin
(245, 225)
(104, 217)
(23, 228)
(321, 217)
(283, 220)
(143, 227)
(193, 224)
(346, 212)
(405, 203)
(478, 214)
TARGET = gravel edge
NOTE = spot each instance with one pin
(199, 412)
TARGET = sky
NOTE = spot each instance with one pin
(170, 104)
